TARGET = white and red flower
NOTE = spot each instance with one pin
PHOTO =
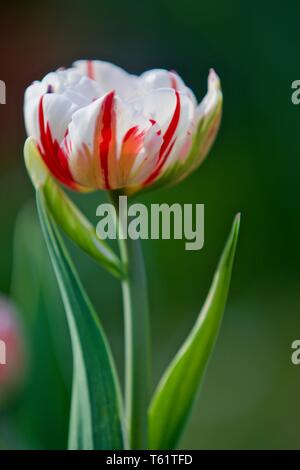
(98, 127)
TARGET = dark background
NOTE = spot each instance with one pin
(250, 398)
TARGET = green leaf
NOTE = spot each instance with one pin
(178, 388)
(65, 213)
(34, 290)
(96, 421)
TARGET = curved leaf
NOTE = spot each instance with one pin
(177, 390)
(95, 421)
(35, 292)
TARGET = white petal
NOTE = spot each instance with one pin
(84, 159)
(129, 117)
(80, 142)
(57, 113)
(65, 91)
(109, 77)
(184, 131)
(80, 90)
(147, 158)
(212, 97)
(144, 154)
(160, 78)
(160, 106)
(31, 102)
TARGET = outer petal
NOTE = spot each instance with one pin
(212, 97)
(173, 112)
(109, 77)
(31, 103)
(199, 137)
(208, 118)
(54, 113)
(47, 117)
(49, 106)
(91, 127)
(57, 113)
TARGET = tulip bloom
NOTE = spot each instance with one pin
(12, 357)
(98, 127)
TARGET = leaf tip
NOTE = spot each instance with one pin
(237, 223)
(238, 217)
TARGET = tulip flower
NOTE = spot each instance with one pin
(94, 126)
(12, 349)
(98, 127)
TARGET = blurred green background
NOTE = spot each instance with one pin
(250, 398)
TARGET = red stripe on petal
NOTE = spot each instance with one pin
(52, 153)
(153, 122)
(106, 135)
(132, 142)
(172, 127)
(132, 130)
(168, 142)
(90, 69)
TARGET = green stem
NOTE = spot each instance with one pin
(137, 341)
